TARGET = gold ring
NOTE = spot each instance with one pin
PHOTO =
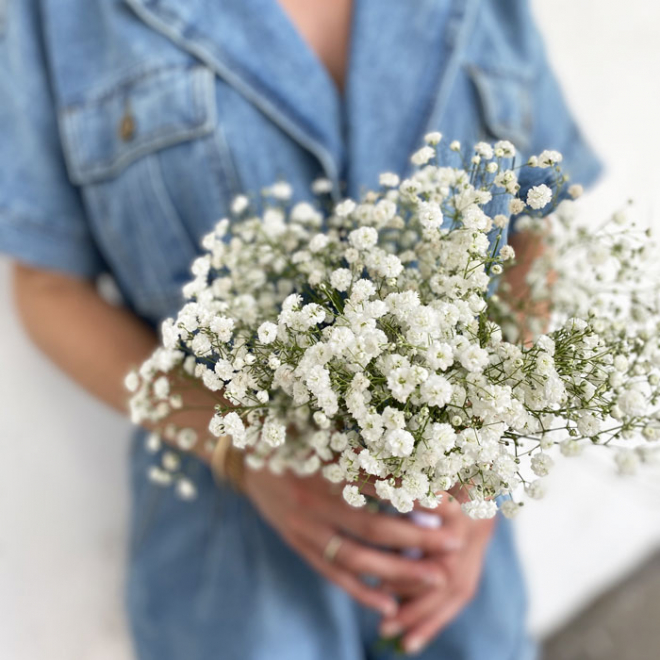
(332, 548)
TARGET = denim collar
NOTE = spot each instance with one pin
(403, 54)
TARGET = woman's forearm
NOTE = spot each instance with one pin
(528, 246)
(95, 342)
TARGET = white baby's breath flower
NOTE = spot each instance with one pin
(510, 509)
(507, 253)
(318, 243)
(541, 464)
(480, 509)
(273, 433)
(223, 327)
(473, 358)
(239, 204)
(224, 369)
(401, 500)
(627, 461)
(422, 156)
(430, 215)
(171, 461)
(345, 208)
(304, 212)
(570, 447)
(161, 388)
(536, 489)
(281, 190)
(201, 344)
(153, 443)
(185, 488)
(186, 438)
(549, 158)
(575, 190)
(651, 433)
(621, 363)
(539, 196)
(504, 149)
(341, 279)
(399, 442)
(159, 476)
(484, 149)
(632, 402)
(321, 186)
(211, 380)
(393, 418)
(439, 355)
(433, 138)
(216, 425)
(132, 381)
(363, 238)
(588, 425)
(267, 332)
(233, 425)
(500, 221)
(416, 484)
(353, 495)
(436, 391)
(333, 473)
(389, 180)
(170, 333)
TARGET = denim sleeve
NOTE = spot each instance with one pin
(553, 125)
(42, 219)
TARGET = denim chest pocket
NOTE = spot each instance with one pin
(505, 104)
(155, 173)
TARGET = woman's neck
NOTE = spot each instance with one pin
(325, 26)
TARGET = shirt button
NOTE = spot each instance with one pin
(127, 127)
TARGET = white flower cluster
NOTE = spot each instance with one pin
(362, 344)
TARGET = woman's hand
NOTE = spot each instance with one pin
(310, 513)
(425, 611)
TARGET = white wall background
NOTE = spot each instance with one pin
(63, 499)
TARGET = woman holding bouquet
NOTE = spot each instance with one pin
(129, 126)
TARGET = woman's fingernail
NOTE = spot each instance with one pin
(414, 645)
(390, 629)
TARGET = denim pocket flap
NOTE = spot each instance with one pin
(505, 103)
(143, 113)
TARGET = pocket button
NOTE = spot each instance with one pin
(127, 127)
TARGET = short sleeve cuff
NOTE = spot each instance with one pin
(49, 247)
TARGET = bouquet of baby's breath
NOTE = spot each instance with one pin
(367, 343)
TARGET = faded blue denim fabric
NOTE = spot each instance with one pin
(126, 128)
(212, 580)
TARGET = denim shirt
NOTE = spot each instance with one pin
(127, 126)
